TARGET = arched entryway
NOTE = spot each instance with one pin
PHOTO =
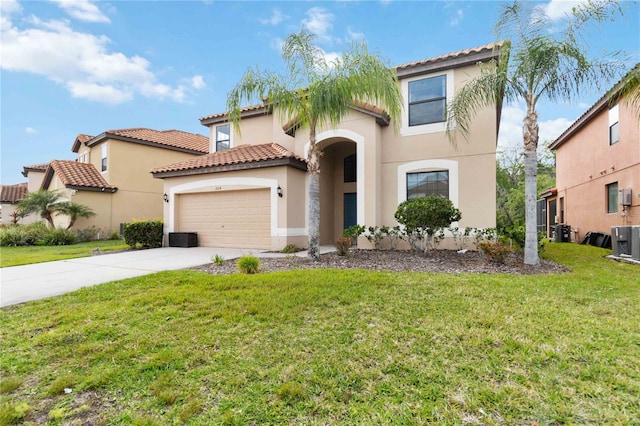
(338, 188)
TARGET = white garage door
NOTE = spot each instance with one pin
(227, 218)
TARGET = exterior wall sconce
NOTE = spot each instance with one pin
(279, 190)
(165, 197)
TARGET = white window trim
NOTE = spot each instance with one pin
(214, 134)
(104, 155)
(430, 166)
(405, 130)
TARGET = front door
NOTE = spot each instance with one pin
(350, 209)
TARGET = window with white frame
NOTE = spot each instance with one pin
(223, 137)
(104, 157)
(427, 100)
(426, 103)
(614, 125)
(421, 184)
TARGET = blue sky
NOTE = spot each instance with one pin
(77, 66)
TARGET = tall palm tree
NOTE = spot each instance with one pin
(44, 203)
(535, 64)
(75, 211)
(316, 93)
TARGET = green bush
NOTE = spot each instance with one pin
(59, 237)
(353, 231)
(248, 264)
(145, 234)
(88, 234)
(23, 235)
(290, 248)
(114, 235)
(424, 219)
(218, 259)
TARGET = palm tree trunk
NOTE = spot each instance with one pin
(530, 131)
(313, 166)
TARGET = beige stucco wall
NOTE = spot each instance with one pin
(586, 163)
(289, 210)
(384, 156)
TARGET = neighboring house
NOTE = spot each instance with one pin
(10, 196)
(111, 173)
(250, 190)
(598, 170)
(35, 175)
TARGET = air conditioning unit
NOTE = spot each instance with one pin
(625, 196)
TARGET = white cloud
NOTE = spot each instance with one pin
(8, 7)
(30, 130)
(82, 63)
(319, 23)
(197, 82)
(331, 58)
(83, 10)
(457, 18)
(353, 35)
(276, 44)
(275, 18)
(558, 9)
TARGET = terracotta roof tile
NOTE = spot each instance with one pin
(224, 114)
(452, 55)
(238, 155)
(82, 138)
(168, 138)
(34, 168)
(77, 175)
(13, 193)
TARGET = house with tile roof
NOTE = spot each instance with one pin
(10, 196)
(597, 169)
(111, 173)
(250, 189)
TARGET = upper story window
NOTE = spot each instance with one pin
(223, 137)
(421, 184)
(612, 197)
(104, 157)
(427, 100)
(614, 125)
(350, 168)
(426, 103)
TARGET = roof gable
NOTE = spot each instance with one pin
(79, 141)
(176, 140)
(42, 167)
(239, 158)
(76, 175)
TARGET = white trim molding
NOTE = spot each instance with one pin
(405, 130)
(359, 141)
(428, 166)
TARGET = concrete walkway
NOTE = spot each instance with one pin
(20, 284)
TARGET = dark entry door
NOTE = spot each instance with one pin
(350, 209)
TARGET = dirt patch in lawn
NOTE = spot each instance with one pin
(447, 261)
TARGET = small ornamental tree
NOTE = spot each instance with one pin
(425, 218)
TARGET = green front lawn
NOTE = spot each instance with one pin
(14, 256)
(332, 347)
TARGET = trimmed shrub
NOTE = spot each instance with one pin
(424, 220)
(290, 248)
(60, 237)
(248, 264)
(145, 234)
(495, 251)
(88, 234)
(23, 235)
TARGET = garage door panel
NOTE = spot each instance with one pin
(227, 218)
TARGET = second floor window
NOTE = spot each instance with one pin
(427, 100)
(104, 157)
(422, 184)
(223, 137)
(614, 125)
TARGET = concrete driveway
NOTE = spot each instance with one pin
(32, 282)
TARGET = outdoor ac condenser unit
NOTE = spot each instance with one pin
(625, 196)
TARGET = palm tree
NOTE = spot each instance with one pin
(536, 63)
(74, 211)
(314, 93)
(44, 203)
